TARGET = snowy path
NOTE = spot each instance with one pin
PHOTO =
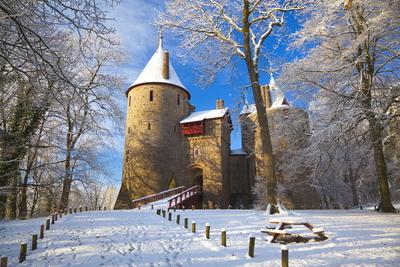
(100, 239)
(141, 238)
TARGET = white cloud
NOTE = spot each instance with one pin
(133, 22)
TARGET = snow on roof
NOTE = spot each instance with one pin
(152, 73)
(247, 109)
(238, 152)
(280, 102)
(272, 82)
(204, 115)
(278, 98)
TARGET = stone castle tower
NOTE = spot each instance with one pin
(168, 144)
(153, 157)
(290, 131)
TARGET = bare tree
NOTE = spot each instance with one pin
(217, 32)
(35, 37)
(355, 56)
(83, 111)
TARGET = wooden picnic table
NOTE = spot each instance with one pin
(280, 230)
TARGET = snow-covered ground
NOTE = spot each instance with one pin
(142, 238)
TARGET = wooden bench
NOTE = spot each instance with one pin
(281, 225)
(273, 231)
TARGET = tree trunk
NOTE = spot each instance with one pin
(385, 204)
(353, 185)
(49, 200)
(66, 188)
(11, 210)
(266, 144)
(34, 201)
(366, 71)
(23, 210)
(9, 172)
(67, 175)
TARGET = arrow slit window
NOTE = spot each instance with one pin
(151, 97)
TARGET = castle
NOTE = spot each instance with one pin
(169, 144)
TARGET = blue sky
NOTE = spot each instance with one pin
(133, 23)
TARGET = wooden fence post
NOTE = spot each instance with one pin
(169, 216)
(193, 227)
(178, 218)
(3, 262)
(70, 210)
(34, 242)
(223, 237)
(158, 212)
(99, 207)
(74, 210)
(22, 252)
(65, 212)
(80, 208)
(41, 234)
(163, 213)
(152, 206)
(207, 230)
(139, 207)
(52, 218)
(56, 216)
(86, 208)
(186, 222)
(252, 242)
(285, 256)
(47, 224)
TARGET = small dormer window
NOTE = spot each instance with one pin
(148, 126)
(151, 96)
(178, 100)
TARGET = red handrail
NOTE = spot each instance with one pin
(175, 201)
(151, 198)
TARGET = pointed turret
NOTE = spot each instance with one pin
(159, 69)
(278, 98)
(156, 102)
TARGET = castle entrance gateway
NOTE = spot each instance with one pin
(196, 178)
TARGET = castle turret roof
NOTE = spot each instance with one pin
(278, 98)
(152, 73)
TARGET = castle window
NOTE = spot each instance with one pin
(151, 96)
(129, 101)
(148, 126)
(178, 100)
(196, 152)
(286, 113)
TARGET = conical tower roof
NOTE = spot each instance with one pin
(278, 98)
(152, 73)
